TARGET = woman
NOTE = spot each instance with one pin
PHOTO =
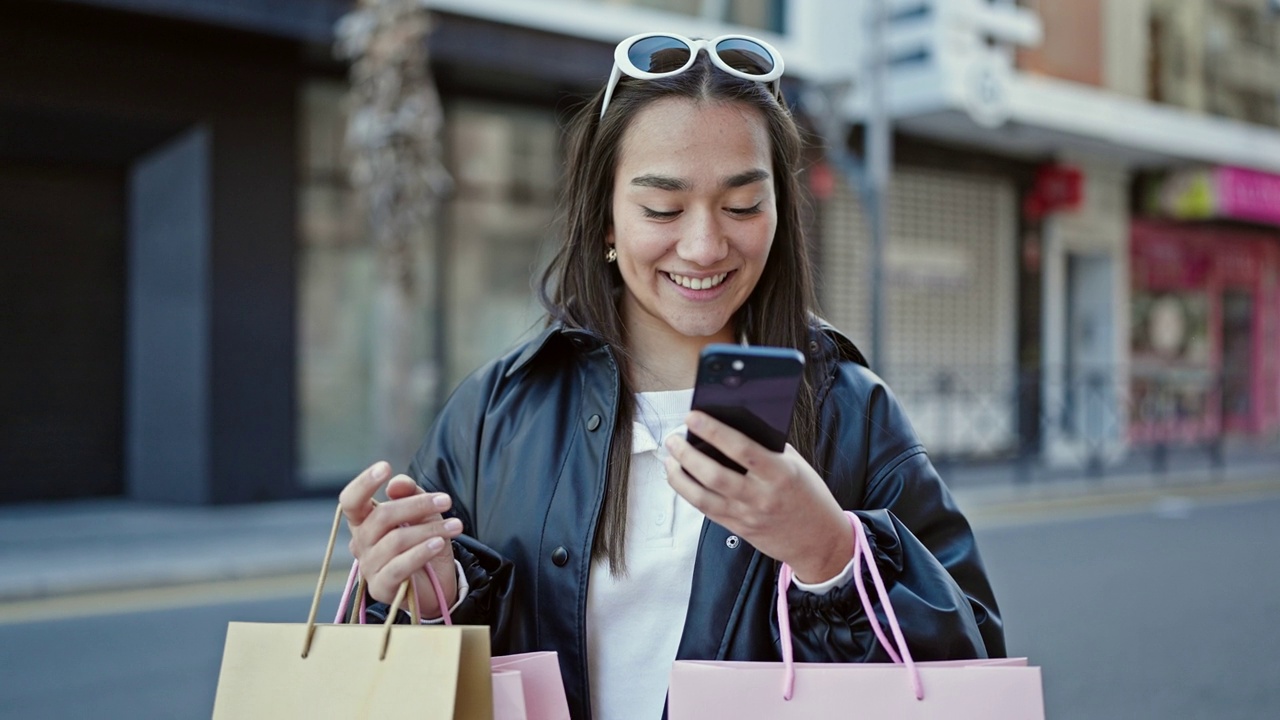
(551, 497)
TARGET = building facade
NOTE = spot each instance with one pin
(196, 278)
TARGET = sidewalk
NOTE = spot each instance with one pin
(71, 547)
(68, 548)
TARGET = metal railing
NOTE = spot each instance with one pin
(1097, 421)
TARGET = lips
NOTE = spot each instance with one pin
(695, 283)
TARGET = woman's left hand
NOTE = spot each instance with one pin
(781, 505)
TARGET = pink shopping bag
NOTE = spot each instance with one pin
(996, 689)
(508, 696)
(542, 687)
(526, 686)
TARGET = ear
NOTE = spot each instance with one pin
(608, 237)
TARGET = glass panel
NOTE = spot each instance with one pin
(505, 162)
(336, 293)
(1170, 344)
(1237, 350)
(761, 14)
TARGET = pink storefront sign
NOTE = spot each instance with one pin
(1244, 194)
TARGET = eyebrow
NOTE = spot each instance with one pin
(664, 182)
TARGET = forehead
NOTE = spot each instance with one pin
(683, 136)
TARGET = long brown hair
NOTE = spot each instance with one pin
(581, 289)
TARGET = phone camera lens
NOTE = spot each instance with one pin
(716, 366)
(733, 381)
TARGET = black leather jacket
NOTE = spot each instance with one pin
(521, 446)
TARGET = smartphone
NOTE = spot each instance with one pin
(751, 389)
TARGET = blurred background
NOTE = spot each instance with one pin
(1054, 226)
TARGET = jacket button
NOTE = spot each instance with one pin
(560, 556)
(593, 423)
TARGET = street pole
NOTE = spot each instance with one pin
(879, 166)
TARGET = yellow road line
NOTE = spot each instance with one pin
(1102, 504)
(114, 602)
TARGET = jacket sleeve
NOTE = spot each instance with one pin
(447, 462)
(923, 545)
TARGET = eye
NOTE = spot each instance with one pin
(657, 214)
(744, 212)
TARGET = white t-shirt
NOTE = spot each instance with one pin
(634, 623)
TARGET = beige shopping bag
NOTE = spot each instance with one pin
(309, 670)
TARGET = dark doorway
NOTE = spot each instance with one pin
(62, 230)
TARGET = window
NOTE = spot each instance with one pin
(337, 286)
(505, 164)
(760, 14)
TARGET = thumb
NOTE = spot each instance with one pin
(402, 486)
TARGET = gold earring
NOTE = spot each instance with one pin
(611, 255)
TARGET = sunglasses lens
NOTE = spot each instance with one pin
(658, 54)
(745, 56)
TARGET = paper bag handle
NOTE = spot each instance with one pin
(324, 574)
(897, 651)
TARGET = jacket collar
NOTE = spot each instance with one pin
(829, 342)
(542, 342)
(835, 343)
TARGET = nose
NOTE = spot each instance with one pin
(703, 241)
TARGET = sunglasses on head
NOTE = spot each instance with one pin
(650, 56)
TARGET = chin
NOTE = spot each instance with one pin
(699, 328)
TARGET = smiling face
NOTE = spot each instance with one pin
(694, 214)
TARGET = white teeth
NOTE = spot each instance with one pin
(698, 283)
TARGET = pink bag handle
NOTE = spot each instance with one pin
(351, 581)
(412, 590)
(899, 654)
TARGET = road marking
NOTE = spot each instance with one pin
(1163, 501)
(116, 602)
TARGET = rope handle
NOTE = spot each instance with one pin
(896, 650)
(404, 590)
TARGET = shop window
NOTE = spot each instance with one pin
(761, 14)
(1237, 354)
(505, 162)
(337, 279)
(1172, 379)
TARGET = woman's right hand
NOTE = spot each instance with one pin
(396, 539)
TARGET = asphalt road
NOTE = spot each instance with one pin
(1168, 612)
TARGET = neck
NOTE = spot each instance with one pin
(662, 359)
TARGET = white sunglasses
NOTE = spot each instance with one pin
(650, 56)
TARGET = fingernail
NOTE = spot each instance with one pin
(453, 525)
(435, 544)
(670, 442)
(694, 420)
(441, 502)
(381, 471)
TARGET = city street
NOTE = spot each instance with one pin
(1164, 613)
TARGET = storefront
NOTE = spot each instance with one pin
(951, 288)
(1206, 308)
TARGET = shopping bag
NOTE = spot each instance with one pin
(541, 684)
(994, 689)
(527, 686)
(508, 696)
(310, 670)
